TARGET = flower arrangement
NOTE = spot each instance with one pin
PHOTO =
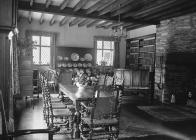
(25, 46)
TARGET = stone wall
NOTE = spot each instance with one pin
(176, 58)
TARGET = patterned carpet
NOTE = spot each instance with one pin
(168, 113)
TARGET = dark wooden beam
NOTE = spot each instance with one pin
(93, 23)
(109, 26)
(134, 27)
(147, 9)
(183, 9)
(128, 2)
(134, 6)
(127, 25)
(102, 24)
(96, 6)
(178, 7)
(30, 17)
(74, 21)
(48, 3)
(106, 5)
(80, 4)
(64, 21)
(84, 22)
(41, 20)
(38, 7)
(64, 4)
(53, 20)
(115, 4)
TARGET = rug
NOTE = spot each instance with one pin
(168, 113)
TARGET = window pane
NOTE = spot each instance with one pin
(45, 55)
(36, 55)
(99, 44)
(36, 40)
(45, 41)
(99, 57)
(108, 57)
(112, 44)
(107, 45)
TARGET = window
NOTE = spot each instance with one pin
(104, 52)
(41, 53)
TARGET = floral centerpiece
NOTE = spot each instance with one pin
(25, 46)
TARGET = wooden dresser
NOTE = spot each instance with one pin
(26, 75)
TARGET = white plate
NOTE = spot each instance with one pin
(79, 65)
(88, 57)
(89, 65)
(75, 57)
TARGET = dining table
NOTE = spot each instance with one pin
(78, 95)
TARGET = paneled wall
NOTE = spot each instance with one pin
(176, 58)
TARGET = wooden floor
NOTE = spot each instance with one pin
(134, 124)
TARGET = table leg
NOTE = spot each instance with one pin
(77, 120)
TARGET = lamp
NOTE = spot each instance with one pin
(119, 31)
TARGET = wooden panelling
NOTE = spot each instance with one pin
(26, 75)
(7, 14)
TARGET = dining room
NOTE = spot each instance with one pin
(97, 69)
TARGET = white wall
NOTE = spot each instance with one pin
(67, 36)
(71, 36)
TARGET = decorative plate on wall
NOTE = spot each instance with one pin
(75, 57)
(89, 65)
(88, 57)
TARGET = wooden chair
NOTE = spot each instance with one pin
(57, 114)
(103, 120)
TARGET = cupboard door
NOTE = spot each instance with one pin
(7, 13)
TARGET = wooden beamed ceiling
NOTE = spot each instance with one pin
(106, 14)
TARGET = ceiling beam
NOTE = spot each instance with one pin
(64, 21)
(181, 9)
(30, 17)
(41, 20)
(48, 3)
(115, 4)
(53, 20)
(93, 23)
(74, 21)
(38, 7)
(134, 27)
(80, 5)
(64, 4)
(131, 7)
(102, 24)
(109, 26)
(84, 22)
(169, 10)
(147, 9)
(106, 5)
(124, 4)
(97, 5)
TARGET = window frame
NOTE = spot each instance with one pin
(103, 38)
(30, 34)
(40, 49)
